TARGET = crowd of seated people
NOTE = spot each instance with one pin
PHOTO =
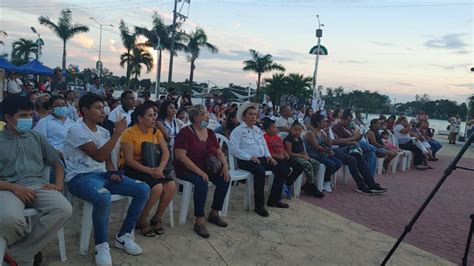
(100, 153)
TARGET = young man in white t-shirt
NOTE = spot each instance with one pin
(92, 177)
(125, 109)
(285, 120)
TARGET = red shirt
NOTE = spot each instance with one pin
(275, 144)
(197, 150)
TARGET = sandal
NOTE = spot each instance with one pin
(158, 228)
(145, 230)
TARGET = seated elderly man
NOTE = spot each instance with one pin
(249, 146)
(24, 155)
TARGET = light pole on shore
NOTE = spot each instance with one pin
(39, 42)
(99, 64)
(319, 34)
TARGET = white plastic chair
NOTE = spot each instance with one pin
(213, 124)
(235, 175)
(29, 213)
(407, 156)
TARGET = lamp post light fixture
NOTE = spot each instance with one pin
(39, 42)
(99, 64)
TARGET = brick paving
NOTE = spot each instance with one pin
(442, 228)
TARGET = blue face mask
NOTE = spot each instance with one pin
(60, 111)
(204, 124)
(24, 124)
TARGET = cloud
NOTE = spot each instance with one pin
(353, 62)
(84, 40)
(449, 41)
(405, 84)
(464, 85)
(452, 67)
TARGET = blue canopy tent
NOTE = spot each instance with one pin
(35, 67)
(7, 66)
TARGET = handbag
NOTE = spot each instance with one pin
(151, 155)
(213, 164)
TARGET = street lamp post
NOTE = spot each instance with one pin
(39, 42)
(319, 34)
(158, 65)
(99, 64)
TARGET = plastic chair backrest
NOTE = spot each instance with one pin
(283, 135)
(213, 124)
(393, 138)
(225, 141)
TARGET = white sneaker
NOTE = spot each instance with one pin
(127, 243)
(102, 255)
(327, 187)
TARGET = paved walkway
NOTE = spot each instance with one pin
(301, 235)
(443, 227)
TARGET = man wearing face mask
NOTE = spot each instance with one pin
(21, 184)
(54, 126)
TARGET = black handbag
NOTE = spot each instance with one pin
(213, 164)
(151, 155)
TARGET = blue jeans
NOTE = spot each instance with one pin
(200, 192)
(357, 166)
(96, 189)
(435, 146)
(368, 151)
(332, 165)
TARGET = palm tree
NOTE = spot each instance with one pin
(261, 64)
(64, 29)
(136, 58)
(276, 85)
(3, 34)
(195, 42)
(163, 31)
(128, 41)
(299, 84)
(22, 49)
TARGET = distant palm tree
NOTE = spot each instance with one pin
(3, 34)
(137, 57)
(261, 64)
(299, 84)
(276, 85)
(195, 42)
(22, 49)
(64, 29)
(163, 31)
(128, 41)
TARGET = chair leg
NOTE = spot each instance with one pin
(248, 193)
(185, 200)
(225, 208)
(62, 244)
(394, 164)
(3, 247)
(171, 209)
(380, 165)
(297, 186)
(270, 181)
(320, 177)
(86, 228)
(346, 174)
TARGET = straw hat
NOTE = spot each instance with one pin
(244, 107)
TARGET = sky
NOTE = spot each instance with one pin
(398, 48)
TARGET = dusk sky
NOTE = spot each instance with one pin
(398, 48)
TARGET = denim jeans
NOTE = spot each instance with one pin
(200, 192)
(357, 166)
(368, 151)
(332, 165)
(97, 189)
(435, 146)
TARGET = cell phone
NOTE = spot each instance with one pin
(108, 174)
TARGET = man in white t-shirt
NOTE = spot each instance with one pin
(13, 84)
(285, 120)
(268, 102)
(127, 100)
(92, 177)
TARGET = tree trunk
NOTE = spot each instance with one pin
(258, 87)
(191, 75)
(64, 55)
(128, 69)
(136, 80)
(158, 76)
